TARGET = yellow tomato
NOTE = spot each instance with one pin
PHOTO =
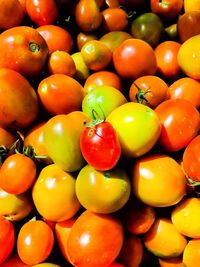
(191, 5)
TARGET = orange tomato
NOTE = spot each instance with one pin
(149, 90)
(83, 38)
(8, 8)
(191, 5)
(191, 256)
(167, 9)
(53, 34)
(66, 90)
(130, 59)
(171, 262)
(7, 138)
(19, 102)
(61, 62)
(166, 55)
(23, 50)
(14, 260)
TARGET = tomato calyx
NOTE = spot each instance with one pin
(192, 182)
(96, 119)
(4, 151)
(140, 95)
(34, 47)
(163, 4)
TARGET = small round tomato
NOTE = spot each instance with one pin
(19, 102)
(7, 238)
(102, 191)
(130, 59)
(42, 12)
(8, 8)
(54, 195)
(137, 126)
(17, 173)
(166, 9)
(29, 246)
(191, 159)
(23, 50)
(82, 38)
(87, 245)
(97, 139)
(180, 123)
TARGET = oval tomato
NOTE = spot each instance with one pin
(180, 123)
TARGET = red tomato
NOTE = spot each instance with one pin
(191, 159)
(35, 242)
(180, 123)
(7, 238)
(42, 12)
(167, 9)
(17, 174)
(100, 145)
(94, 240)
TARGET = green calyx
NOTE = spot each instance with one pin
(140, 95)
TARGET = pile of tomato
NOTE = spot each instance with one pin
(99, 133)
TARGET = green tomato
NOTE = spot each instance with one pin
(102, 99)
(138, 128)
(148, 27)
(102, 191)
(61, 139)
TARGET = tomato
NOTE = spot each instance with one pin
(103, 99)
(46, 264)
(113, 39)
(19, 102)
(158, 187)
(102, 191)
(166, 56)
(26, 171)
(130, 59)
(82, 70)
(187, 25)
(66, 90)
(54, 195)
(149, 90)
(52, 34)
(61, 62)
(148, 27)
(97, 139)
(61, 139)
(97, 55)
(191, 159)
(14, 260)
(29, 246)
(23, 50)
(7, 138)
(7, 9)
(137, 126)
(42, 12)
(88, 15)
(185, 88)
(87, 245)
(180, 123)
(82, 38)
(167, 9)
(189, 52)
(191, 6)
(7, 238)
(15, 207)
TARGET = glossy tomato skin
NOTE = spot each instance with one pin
(87, 245)
(191, 159)
(42, 12)
(166, 9)
(23, 50)
(180, 123)
(100, 139)
(7, 238)
(34, 251)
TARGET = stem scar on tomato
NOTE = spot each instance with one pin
(34, 47)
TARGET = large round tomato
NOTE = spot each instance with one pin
(102, 192)
(134, 58)
(138, 128)
(180, 123)
(24, 50)
(54, 194)
(7, 238)
(87, 245)
(61, 139)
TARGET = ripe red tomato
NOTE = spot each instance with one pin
(167, 9)
(100, 145)
(34, 242)
(180, 123)
(191, 159)
(42, 12)
(7, 238)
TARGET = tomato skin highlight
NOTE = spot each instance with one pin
(97, 141)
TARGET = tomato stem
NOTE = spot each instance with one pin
(34, 47)
(140, 95)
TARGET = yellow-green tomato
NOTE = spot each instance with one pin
(138, 128)
(102, 191)
(61, 139)
(54, 194)
(102, 99)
